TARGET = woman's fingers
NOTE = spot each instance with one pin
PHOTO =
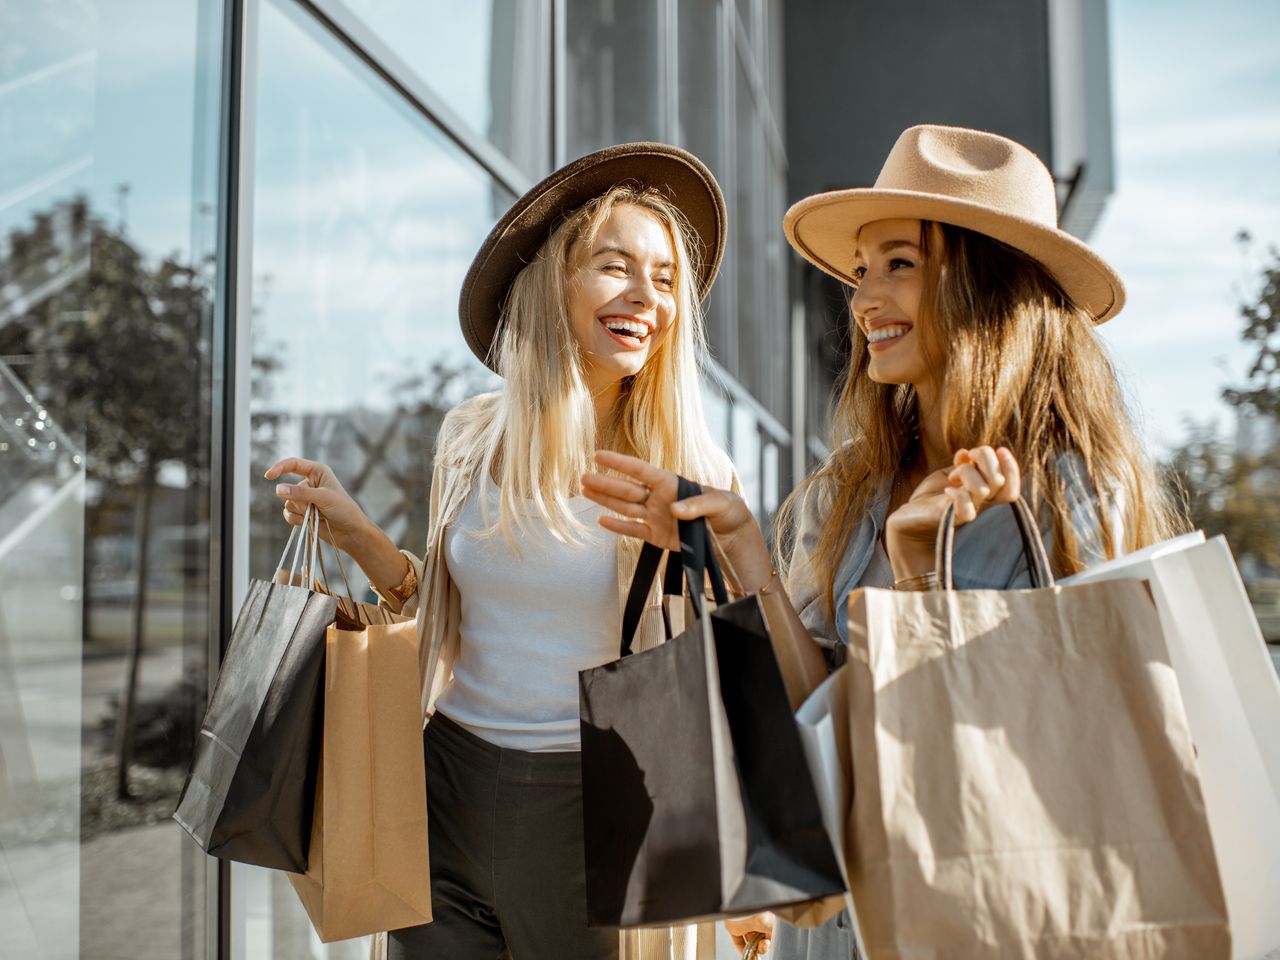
(710, 504)
(628, 507)
(1012, 488)
(966, 510)
(641, 531)
(296, 465)
(615, 488)
(300, 492)
(982, 476)
(644, 473)
(741, 928)
(968, 477)
(988, 464)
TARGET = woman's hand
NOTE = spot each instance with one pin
(978, 478)
(645, 496)
(347, 523)
(347, 527)
(739, 930)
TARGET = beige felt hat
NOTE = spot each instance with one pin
(517, 237)
(967, 178)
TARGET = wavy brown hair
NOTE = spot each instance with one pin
(1020, 366)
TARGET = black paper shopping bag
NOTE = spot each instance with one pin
(698, 802)
(251, 791)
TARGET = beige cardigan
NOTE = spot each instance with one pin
(438, 606)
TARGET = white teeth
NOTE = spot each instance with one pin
(628, 328)
(886, 333)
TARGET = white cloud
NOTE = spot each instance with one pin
(1214, 134)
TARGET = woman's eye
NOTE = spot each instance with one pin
(858, 274)
(897, 262)
(665, 282)
(615, 267)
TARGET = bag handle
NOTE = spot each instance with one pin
(697, 554)
(1032, 546)
(308, 550)
(299, 532)
(696, 560)
(642, 581)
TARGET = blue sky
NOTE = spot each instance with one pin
(1196, 99)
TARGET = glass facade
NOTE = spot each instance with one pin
(108, 193)
(706, 75)
(234, 230)
(489, 62)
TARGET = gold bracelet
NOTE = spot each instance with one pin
(773, 575)
(402, 591)
(925, 581)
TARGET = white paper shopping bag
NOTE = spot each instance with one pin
(823, 720)
(1232, 698)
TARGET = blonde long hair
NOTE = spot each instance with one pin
(1021, 366)
(543, 435)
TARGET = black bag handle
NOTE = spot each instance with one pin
(696, 560)
(1032, 546)
(646, 567)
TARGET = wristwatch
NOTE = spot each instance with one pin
(398, 595)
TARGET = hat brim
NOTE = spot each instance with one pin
(823, 229)
(523, 229)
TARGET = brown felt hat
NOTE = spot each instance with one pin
(967, 178)
(523, 229)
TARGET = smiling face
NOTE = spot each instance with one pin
(622, 295)
(889, 268)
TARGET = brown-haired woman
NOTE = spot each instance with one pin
(975, 376)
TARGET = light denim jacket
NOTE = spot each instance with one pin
(987, 555)
(988, 552)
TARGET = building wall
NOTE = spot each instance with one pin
(859, 72)
(254, 216)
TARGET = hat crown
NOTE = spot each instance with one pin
(973, 166)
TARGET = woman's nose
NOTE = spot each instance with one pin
(866, 299)
(642, 291)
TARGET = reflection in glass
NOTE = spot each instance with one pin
(701, 130)
(104, 498)
(775, 392)
(716, 409)
(613, 74)
(366, 218)
(769, 480)
(745, 214)
(486, 58)
(47, 70)
(745, 451)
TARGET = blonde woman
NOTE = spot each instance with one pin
(975, 376)
(585, 298)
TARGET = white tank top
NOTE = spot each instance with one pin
(529, 624)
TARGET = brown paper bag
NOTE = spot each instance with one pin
(367, 870)
(1024, 782)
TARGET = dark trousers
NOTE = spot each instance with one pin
(508, 877)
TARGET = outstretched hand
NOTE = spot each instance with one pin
(644, 498)
(345, 520)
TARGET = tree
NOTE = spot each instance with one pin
(120, 352)
(1231, 492)
(1234, 488)
(1261, 391)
